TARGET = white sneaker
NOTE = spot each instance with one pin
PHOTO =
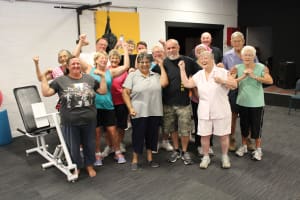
(205, 162)
(241, 151)
(226, 162)
(122, 147)
(98, 161)
(107, 151)
(257, 155)
(165, 144)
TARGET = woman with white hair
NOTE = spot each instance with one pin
(214, 114)
(250, 77)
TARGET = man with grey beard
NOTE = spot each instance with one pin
(176, 102)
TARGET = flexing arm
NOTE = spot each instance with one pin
(230, 82)
(103, 87)
(47, 91)
(164, 81)
(187, 82)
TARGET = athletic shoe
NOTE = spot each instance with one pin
(98, 161)
(241, 151)
(107, 150)
(174, 156)
(226, 162)
(204, 162)
(257, 155)
(186, 157)
(120, 158)
(165, 144)
(153, 164)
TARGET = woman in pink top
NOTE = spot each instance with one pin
(63, 57)
(116, 92)
(214, 114)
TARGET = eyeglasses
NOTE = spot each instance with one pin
(144, 62)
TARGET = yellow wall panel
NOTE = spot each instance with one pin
(122, 23)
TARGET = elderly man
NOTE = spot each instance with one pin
(230, 59)
(176, 102)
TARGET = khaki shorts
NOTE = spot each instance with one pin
(177, 118)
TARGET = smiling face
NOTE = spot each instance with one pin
(248, 55)
(206, 39)
(114, 58)
(100, 60)
(172, 48)
(237, 43)
(101, 45)
(74, 67)
(63, 57)
(206, 60)
(144, 63)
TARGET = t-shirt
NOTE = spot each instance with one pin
(77, 97)
(175, 94)
(116, 88)
(104, 101)
(251, 93)
(213, 99)
(145, 93)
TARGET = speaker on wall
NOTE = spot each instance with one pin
(286, 75)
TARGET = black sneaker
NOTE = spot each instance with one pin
(174, 156)
(153, 164)
(134, 166)
(187, 160)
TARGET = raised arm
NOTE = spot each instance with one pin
(187, 82)
(38, 72)
(121, 69)
(47, 91)
(81, 42)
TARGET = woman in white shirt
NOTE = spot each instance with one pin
(214, 114)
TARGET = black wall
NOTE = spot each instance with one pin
(284, 18)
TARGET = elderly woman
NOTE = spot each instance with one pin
(142, 91)
(78, 112)
(250, 77)
(106, 117)
(214, 114)
(195, 101)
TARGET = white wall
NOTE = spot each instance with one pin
(32, 28)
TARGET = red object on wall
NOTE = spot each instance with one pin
(1, 98)
(230, 30)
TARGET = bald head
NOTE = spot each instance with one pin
(172, 49)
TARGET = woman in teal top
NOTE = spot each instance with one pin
(105, 108)
(250, 77)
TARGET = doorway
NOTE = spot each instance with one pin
(188, 34)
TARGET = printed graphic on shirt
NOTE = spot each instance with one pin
(79, 95)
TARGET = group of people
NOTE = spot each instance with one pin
(160, 92)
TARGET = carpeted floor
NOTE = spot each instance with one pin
(276, 177)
